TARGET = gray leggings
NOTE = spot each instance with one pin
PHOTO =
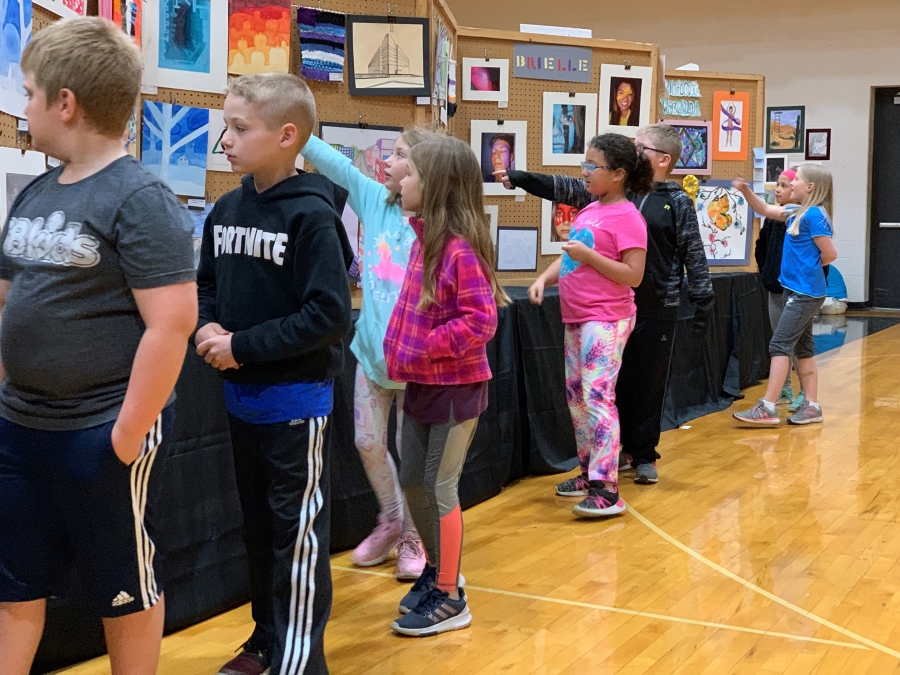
(776, 307)
(793, 334)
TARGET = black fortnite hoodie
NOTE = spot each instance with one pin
(273, 271)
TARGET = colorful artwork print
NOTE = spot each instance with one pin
(184, 35)
(485, 79)
(174, 144)
(65, 9)
(388, 56)
(725, 224)
(322, 39)
(785, 129)
(569, 122)
(731, 117)
(15, 34)
(556, 224)
(695, 148)
(259, 36)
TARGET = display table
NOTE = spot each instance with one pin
(193, 505)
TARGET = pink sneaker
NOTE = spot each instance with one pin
(377, 546)
(410, 557)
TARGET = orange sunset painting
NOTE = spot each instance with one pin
(259, 36)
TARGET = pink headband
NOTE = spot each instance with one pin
(790, 173)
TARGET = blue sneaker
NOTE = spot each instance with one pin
(797, 403)
(426, 582)
(436, 613)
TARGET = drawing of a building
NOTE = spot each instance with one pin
(389, 59)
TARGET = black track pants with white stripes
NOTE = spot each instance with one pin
(283, 482)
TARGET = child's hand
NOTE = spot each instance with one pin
(208, 331)
(503, 177)
(536, 292)
(216, 351)
(577, 250)
(739, 184)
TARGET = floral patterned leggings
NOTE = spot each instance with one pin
(593, 359)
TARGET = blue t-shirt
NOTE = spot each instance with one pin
(275, 403)
(801, 262)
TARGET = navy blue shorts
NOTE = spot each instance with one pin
(67, 500)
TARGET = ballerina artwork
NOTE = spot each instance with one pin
(731, 125)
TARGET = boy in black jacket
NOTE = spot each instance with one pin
(274, 306)
(673, 247)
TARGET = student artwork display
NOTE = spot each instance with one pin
(556, 223)
(124, 13)
(570, 121)
(174, 145)
(259, 36)
(818, 144)
(65, 9)
(785, 129)
(185, 44)
(625, 93)
(215, 153)
(695, 148)
(485, 79)
(388, 56)
(322, 40)
(725, 223)
(549, 62)
(775, 166)
(442, 66)
(17, 169)
(500, 145)
(492, 211)
(678, 90)
(517, 249)
(731, 120)
(15, 34)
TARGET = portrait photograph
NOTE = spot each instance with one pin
(499, 147)
(556, 223)
(625, 94)
(569, 123)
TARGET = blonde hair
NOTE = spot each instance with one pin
(665, 138)
(412, 137)
(279, 98)
(93, 59)
(452, 205)
(821, 195)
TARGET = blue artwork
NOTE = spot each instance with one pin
(184, 35)
(15, 34)
(174, 146)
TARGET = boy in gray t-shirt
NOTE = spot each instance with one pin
(97, 302)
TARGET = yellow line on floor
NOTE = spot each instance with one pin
(631, 612)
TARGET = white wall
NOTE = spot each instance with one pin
(823, 54)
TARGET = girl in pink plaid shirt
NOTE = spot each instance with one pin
(444, 318)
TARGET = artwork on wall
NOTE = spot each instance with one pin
(485, 79)
(174, 143)
(500, 146)
(726, 225)
(259, 36)
(818, 144)
(556, 223)
(517, 249)
(625, 94)
(442, 65)
(492, 211)
(215, 153)
(774, 168)
(695, 148)
(388, 56)
(569, 123)
(15, 34)
(17, 169)
(124, 13)
(65, 9)
(731, 126)
(185, 44)
(785, 129)
(678, 91)
(131, 137)
(322, 41)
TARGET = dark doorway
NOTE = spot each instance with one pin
(884, 272)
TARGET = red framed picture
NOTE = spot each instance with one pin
(818, 144)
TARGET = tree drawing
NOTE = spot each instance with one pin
(174, 145)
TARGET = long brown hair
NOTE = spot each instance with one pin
(412, 137)
(452, 205)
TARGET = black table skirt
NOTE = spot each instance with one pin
(193, 507)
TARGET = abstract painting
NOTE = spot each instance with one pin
(485, 79)
(569, 122)
(66, 9)
(389, 56)
(185, 44)
(695, 144)
(726, 225)
(259, 36)
(124, 13)
(322, 41)
(625, 94)
(16, 171)
(499, 146)
(15, 34)
(818, 144)
(174, 143)
(731, 131)
(785, 129)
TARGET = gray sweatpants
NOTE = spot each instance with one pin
(793, 335)
(776, 307)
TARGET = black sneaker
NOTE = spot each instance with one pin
(426, 581)
(436, 613)
(251, 661)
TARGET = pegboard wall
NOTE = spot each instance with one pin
(526, 102)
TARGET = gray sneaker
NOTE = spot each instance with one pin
(758, 415)
(426, 583)
(645, 474)
(807, 414)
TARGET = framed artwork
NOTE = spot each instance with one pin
(185, 45)
(65, 9)
(388, 56)
(485, 79)
(492, 211)
(17, 169)
(174, 144)
(818, 144)
(775, 166)
(726, 225)
(695, 157)
(569, 123)
(556, 223)
(16, 19)
(731, 126)
(625, 94)
(517, 249)
(785, 129)
(500, 145)
(259, 36)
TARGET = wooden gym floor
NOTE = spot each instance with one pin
(759, 551)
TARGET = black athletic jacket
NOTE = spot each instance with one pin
(768, 251)
(273, 270)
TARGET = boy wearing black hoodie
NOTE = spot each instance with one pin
(673, 248)
(274, 306)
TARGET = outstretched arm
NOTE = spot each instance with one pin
(337, 167)
(560, 189)
(757, 203)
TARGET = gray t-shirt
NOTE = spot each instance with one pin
(71, 327)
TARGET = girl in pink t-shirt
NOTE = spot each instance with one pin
(601, 263)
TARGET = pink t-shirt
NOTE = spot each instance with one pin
(584, 293)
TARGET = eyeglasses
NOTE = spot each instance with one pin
(640, 148)
(590, 168)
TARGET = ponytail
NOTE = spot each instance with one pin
(640, 181)
(621, 153)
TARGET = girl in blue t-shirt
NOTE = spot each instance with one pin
(807, 248)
